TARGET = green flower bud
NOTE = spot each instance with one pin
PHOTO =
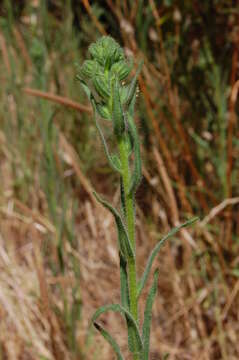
(89, 69)
(123, 93)
(121, 69)
(106, 51)
(101, 86)
(103, 111)
(114, 52)
(117, 111)
(97, 53)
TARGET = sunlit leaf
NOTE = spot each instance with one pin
(156, 250)
(133, 86)
(115, 166)
(110, 340)
(148, 316)
(130, 322)
(124, 242)
(137, 173)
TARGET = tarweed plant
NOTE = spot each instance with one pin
(112, 92)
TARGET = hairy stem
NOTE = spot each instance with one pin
(129, 199)
(130, 222)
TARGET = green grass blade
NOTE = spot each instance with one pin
(124, 242)
(148, 316)
(156, 250)
(131, 323)
(110, 340)
(85, 87)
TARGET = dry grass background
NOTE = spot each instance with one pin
(195, 315)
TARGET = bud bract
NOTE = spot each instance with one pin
(117, 111)
(102, 86)
(103, 111)
(121, 69)
(89, 69)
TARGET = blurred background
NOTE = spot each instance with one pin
(58, 253)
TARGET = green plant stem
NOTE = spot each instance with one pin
(130, 221)
(129, 199)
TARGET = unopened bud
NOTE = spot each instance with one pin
(106, 51)
(121, 69)
(101, 86)
(103, 111)
(88, 69)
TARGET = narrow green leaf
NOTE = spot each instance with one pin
(133, 86)
(131, 106)
(124, 291)
(129, 142)
(85, 87)
(110, 340)
(132, 341)
(137, 173)
(130, 322)
(117, 111)
(110, 158)
(124, 288)
(124, 89)
(116, 161)
(124, 242)
(156, 250)
(148, 316)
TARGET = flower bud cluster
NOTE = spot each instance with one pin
(104, 73)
